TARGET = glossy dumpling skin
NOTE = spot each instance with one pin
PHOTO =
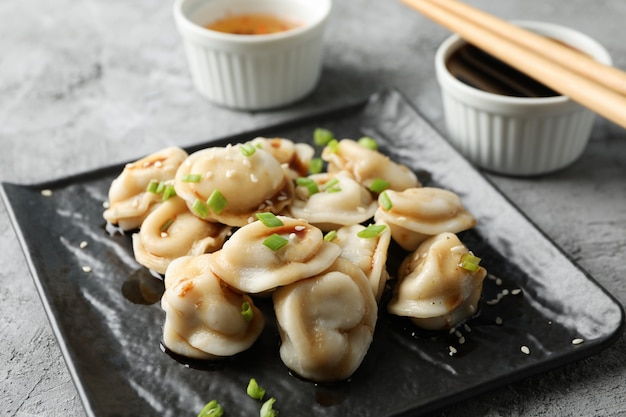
(432, 289)
(419, 213)
(326, 322)
(296, 157)
(248, 265)
(129, 201)
(366, 165)
(172, 231)
(250, 184)
(340, 201)
(203, 316)
(369, 254)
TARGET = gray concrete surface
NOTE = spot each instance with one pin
(85, 84)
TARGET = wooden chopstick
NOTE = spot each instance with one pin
(517, 47)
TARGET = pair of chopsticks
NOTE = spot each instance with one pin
(599, 87)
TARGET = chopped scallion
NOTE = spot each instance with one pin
(247, 149)
(470, 262)
(160, 187)
(254, 390)
(385, 201)
(200, 208)
(212, 409)
(333, 146)
(379, 185)
(316, 165)
(169, 192)
(246, 311)
(192, 178)
(217, 202)
(152, 186)
(166, 225)
(368, 143)
(267, 409)
(309, 184)
(330, 184)
(371, 231)
(322, 136)
(330, 236)
(333, 190)
(269, 219)
(275, 242)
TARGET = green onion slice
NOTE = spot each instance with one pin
(267, 409)
(192, 178)
(333, 146)
(166, 225)
(212, 409)
(200, 208)
(247, 149)
(470, 262)
(330, 184)
(322, 136)
(254, 390)
(217, 202)
(160, 187)
(269, 219)
(330, 236)
(246, 311)
(169, 192)
(316, 165)
(309, 184)
(371, 231)
(368, 143)
(385, 201)
(333, 190)
(379, 185)
(152, 186)
(275, 242)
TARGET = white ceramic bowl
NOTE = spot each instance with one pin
(253, 72)
(516, 135)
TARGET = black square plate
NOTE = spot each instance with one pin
(108, 321)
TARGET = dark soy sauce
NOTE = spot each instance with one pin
(480, 70)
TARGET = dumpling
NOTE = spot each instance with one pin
(296, 156)
(230, 184)
(129, 198)
(416, 214)
(435, 289)
(204, 318)
(368, 253)
(171, 231)
(248, 264)
(326, 322)
(367, 165)
(340, 201)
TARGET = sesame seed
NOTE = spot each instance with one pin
(292, 236)
(458, 333)
(86, 269)
(467, 328)
(498, 281)
(401, 219)
(164, 234)
(452, 350)
(208, 175)
(525, 350)
(516, 291)
(577, 341)
(46, 193)
(282, 197)
(106, 204)
(299, 228)
(253, 178)
(457, 249)
(247, 162)
(498, 320)
(230, 173)
(83, 244)
(158, 164)
(461, 340)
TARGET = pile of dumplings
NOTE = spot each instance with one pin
(228, 225)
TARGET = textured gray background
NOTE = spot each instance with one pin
(91, 83)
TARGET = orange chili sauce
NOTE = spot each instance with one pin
(251, 24)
